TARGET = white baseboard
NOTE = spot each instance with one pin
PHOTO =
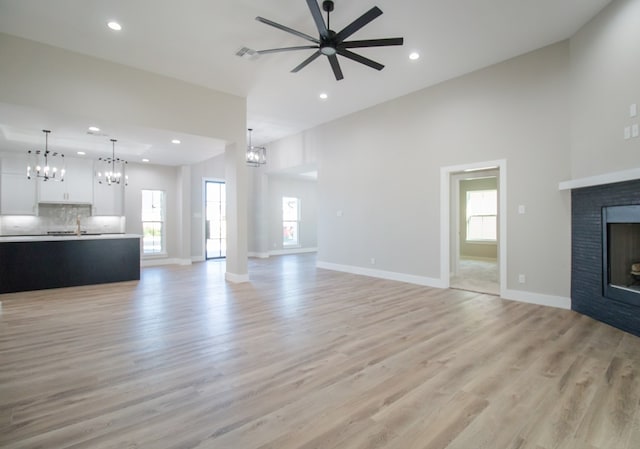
(559, 302)
(381, 274)
(164, 261)
(258, 255)
(282, 252)
(197, 259)
(236, 278)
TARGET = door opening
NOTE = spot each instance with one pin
(473, 227)
(215, 234)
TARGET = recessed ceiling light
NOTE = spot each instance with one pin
(94, 129)
(176, 141)
(323, 96)
(115, 26)
(414, 55)
(145, 160)
(81, 153)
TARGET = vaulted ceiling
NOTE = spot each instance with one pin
(197, 41)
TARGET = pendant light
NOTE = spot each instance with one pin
(46, 165)
(112, 168)
(256, 156)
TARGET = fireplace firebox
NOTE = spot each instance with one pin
(621, 253)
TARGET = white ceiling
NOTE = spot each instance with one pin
(196, 41)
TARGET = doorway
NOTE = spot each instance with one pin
(215, 234)
(474, 220)
(473, 227)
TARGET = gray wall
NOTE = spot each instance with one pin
(154, 177)
(605, 79)
(210, 169)
(306, 191)
(379, 170)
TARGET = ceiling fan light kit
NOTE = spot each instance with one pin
(329, 43)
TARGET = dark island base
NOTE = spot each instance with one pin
(67, 263)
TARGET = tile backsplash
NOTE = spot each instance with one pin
(60, 217)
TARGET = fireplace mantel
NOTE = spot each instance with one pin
(598, 180)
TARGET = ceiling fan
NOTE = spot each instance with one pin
(330, 43)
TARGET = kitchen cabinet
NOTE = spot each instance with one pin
(17, 193)
(108, 199)
(77, 187)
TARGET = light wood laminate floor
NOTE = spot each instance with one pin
(307, 358)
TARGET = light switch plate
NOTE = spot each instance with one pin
(633, 110)
(634, 130)
(627, 132)
(521, 209)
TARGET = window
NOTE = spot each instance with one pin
(153, 215)
(290, 220)
(482, 211)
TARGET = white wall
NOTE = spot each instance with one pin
(381, 168)
(605, 74)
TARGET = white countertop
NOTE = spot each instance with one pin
(49, 238)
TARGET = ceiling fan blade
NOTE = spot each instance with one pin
(335, 65)
(373, 43)
(317, 17)
(287, 29)
(306, 62)
(278, 50)
(360, 59)
(358, 23)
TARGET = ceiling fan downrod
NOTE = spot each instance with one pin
(327, 5)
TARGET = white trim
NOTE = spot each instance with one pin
(559, 302)
(258, 255)
(197, 259)
(281, 252)
(381, 274)
(164, 261)
(236, 278)
(445, 198)
(597, 180)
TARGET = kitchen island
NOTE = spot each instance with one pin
(41, 262)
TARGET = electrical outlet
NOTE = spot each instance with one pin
(373, 261)
(522, 279)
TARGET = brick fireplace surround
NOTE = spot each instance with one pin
(586, 254)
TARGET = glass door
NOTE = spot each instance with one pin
(215, 234)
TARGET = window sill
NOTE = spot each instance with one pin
(481, 242)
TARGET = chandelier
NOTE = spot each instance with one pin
(113, 168)
(39, 166)
(256, 156)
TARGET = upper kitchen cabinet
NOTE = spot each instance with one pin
(77, 187)
(108, 199)
(17, 193)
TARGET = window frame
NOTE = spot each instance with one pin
(296, 222)
(482, 216)
(162, 222)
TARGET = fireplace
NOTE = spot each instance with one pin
(621, 253)
(605, 253)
